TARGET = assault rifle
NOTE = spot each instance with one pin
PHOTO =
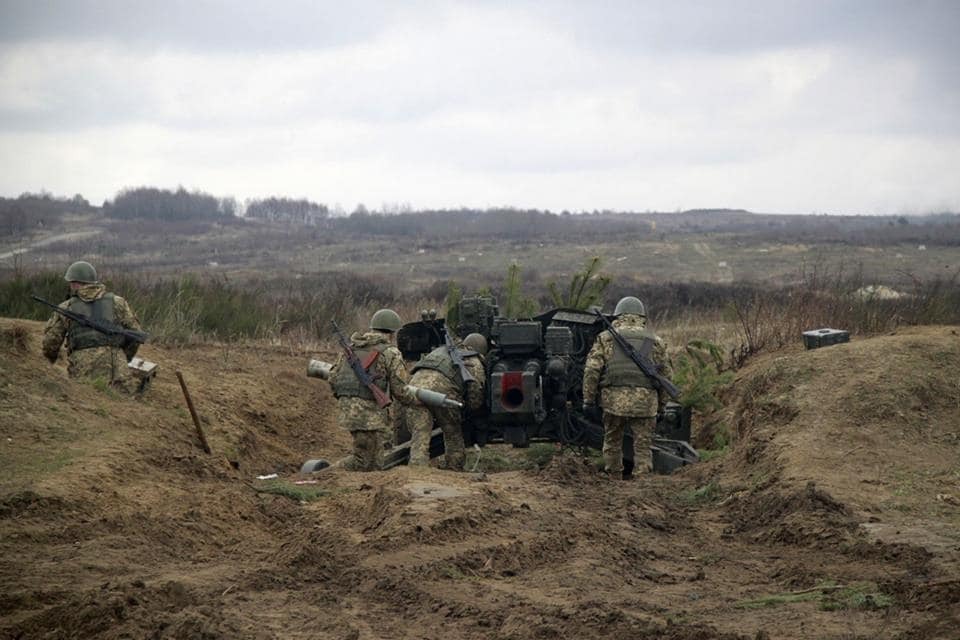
(383, 400)
(104, 327)
(643, 361)
(457, 359)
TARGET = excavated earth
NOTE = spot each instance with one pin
(834, 513)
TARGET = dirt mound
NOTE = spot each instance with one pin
(873, 422)
(808, 516)
(113, 522)
(569, 469)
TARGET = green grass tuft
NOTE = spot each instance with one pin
(298, 492)
(828, 596)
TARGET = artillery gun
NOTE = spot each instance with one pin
(534, 371)
(534, 384)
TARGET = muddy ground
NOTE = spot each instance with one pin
(834, 513)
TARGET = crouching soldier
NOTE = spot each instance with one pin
(358, 410)
(436, 371)
(90, 353)
(626, 395)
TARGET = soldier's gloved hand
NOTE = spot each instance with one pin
(593, 413)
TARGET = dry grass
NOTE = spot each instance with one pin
(15, 338)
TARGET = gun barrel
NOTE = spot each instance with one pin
(433, 398)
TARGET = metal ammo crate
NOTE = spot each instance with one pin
(824, 338)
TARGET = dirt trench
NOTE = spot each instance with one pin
(113, 524)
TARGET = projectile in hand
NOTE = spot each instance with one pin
(434, 398)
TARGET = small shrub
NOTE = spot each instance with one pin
(15, 338)
(699, 373)
(586, 288)
(709, 492)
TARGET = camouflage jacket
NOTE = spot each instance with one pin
(359, 414)
(106, 361)
(622, 401)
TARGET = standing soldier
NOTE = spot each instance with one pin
(436, 371)
(358, 412)
(627, 396)
(90, 353)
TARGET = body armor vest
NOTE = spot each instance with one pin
(80, 337)
(621, 371)
(345, 382)
(439, 360)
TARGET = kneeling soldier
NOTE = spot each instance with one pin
(91, 353)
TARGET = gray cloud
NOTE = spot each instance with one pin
(231, 25)
(618, 104)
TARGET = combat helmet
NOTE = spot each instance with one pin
(385, 320)
(630, 305)
(476, 342)
(81, 272)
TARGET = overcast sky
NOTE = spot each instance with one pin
(848, 106)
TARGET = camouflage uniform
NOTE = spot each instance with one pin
(420, 418)
(370, 425)
(107, 359)
(628, 399)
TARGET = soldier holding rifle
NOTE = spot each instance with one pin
(101, 331)
(367, 376)
(628, 369)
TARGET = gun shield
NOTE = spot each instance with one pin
(319, 369)
(433, 398)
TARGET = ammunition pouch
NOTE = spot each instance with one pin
(345, 382)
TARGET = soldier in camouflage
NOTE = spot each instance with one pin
(626, 395)
(369, 425)
(92, 354)
(436, 371)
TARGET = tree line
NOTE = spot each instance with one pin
(36, 210)
(31, 211)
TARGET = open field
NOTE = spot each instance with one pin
(244, 249)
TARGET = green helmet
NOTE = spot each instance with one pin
(81, 272)
(385, 320)
(476, 342)
(630, 305)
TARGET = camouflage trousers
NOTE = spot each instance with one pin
(638, 431)
(101, 364)
(420, 420)
(367, 452)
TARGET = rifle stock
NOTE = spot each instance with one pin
(645, 364)
(382, 399)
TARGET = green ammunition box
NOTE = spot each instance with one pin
(824, 338)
